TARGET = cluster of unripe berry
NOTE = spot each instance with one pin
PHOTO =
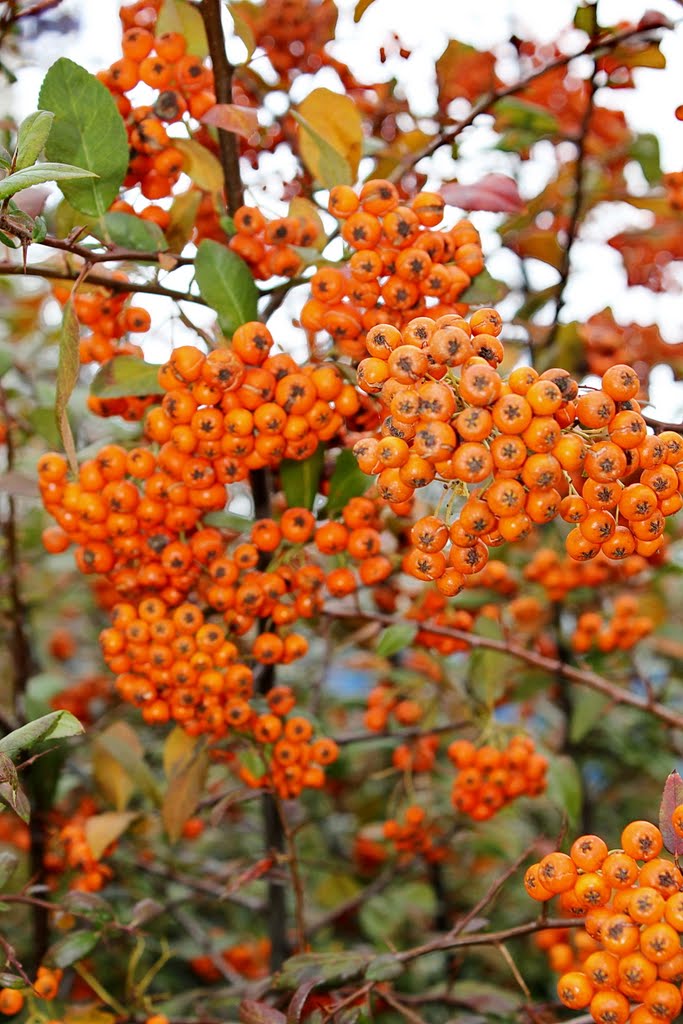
(402, 264)
(529, 445)
(631, 903)
(489, 778)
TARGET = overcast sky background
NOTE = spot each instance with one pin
(424, 28)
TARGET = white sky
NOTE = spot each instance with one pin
(425, 27)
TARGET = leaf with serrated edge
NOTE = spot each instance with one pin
(87, 131)
(672, 797)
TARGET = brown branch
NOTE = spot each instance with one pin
(113, 284)
(659, 425)
(485, 103)
(222, 74)
(554, 666)
(347, 739)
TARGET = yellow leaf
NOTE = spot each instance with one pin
(304, 209)
(89, 1013)
(182, 217)
(101, 830)
(178, 750)
(184, 17)
(330, 137)
(119, 766)
(185, 787)
(200, 165)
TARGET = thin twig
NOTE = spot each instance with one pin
(489, 100)
(584, 677)
(113, 284)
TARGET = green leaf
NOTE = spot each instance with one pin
(43, 422)
(39, 691)
(32, 136)
(300, 479)
(11, 980)
(384, 968)
(347, 481)
(565, 789)
(88, 904)
(226, 284)
(6, 360)
(88, 131)
(645, 150)
(489, 668)
(67, 376)
(37, 175)
(72, 948)
(395, 638)
(131, 232)
(56, 726)
(485, 290)
(183, 17)
(8, 865)
(331, 968)
(585, 18)
(228, 521)
(517, 114)
(124, 376)
(588, 709)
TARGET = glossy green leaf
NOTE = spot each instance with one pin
(225, 520)
(31, 137)
(87, 131)
(131, 232)
(38, 174)
(300, 479)
(347, 481)
(72, 948)
(125, 376)
(226, 284)
(331, 968)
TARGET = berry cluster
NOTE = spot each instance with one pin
(532, 447)
(631, 901)
(268, 247)
(415, 835)
(489, 778)
(45, 986)
(401, 265)
(622, 632)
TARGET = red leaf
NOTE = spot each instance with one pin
(233, 118)
(494, 192)
(252, 1012)
(672, 796)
